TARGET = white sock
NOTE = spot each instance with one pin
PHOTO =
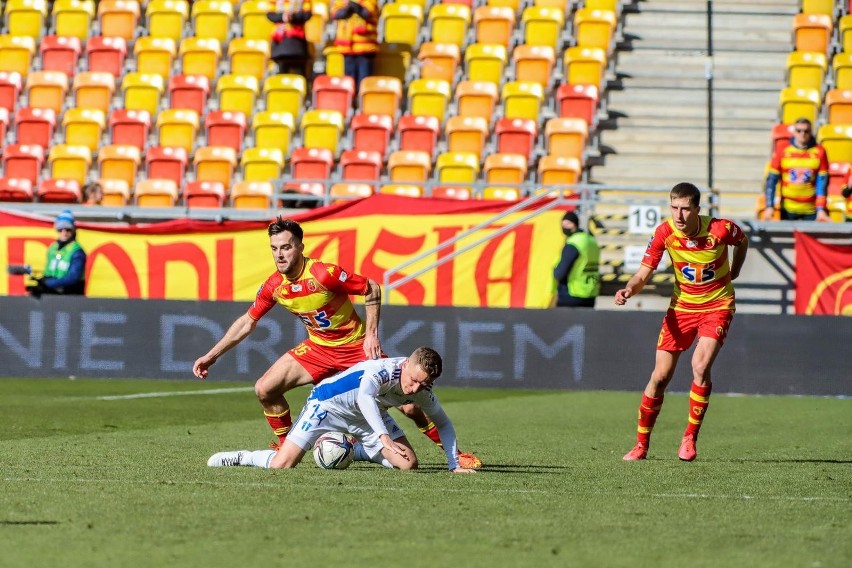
(362, 455)
(386, 463)
(259, 458)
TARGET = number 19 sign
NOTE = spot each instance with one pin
(643, 219)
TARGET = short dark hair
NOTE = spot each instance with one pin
(280, 225)
(686, 189)
(429, 360)
(803, 120)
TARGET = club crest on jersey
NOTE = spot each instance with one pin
(312, 286)
(295, 288)
(710, 243)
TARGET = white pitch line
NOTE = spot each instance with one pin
(173, 393)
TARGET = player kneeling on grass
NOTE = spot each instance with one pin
(357, 401)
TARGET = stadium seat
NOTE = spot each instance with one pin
(522, 99)
(559, 170)
(251, 195)
(476, 98)
(380, 96)
(60, 54)
(10, 88)
(262, 164)
(253, 21)
(73, 18)
(818, 7)
(69, 162)
(155, 55)
(315, 27)
(418, 133)
(204, 194)
(249, 56)
(200, 56)
(594, 28)
(841, 65)
(334, 62)
(457, 167)
(333, 93)
(466, 134)
(189, 92)
(130, 127)
(805, 70)
(838, 104)
(106, 54)
(16, 189)
(401, 23)
(84, 127)
(566, 137)
(35, 126)
(500, 193)
(225, 128)
(799, 103)
(321, 129)
(534, 63)
(285, 93)
(360, 165)
(338, 191)
(585, 66)
(409, 166)
(166, 163)
(156, 193)
(439, 61)
(212, 19)
(311, 163)
(505, 168)
(428, 97)
(59, 191)
(392, 61)
(23, 161)
(837, 141)
(116, 161)
(118, 18)
(142, 91)
(844, 29)
(578, 101)
(494, 24)
(273, 130)
(812, 32)
(516, 136)
(781, 134)
(543, 26)
(4, 124)
(93, 89)
(237, 93)
(371, 132)
(47, 89)
(401, 189)
(215, 163)
(298, 190)
(166, 18)
(116, 192)
(25, 18)
(838, 176)
(177, 128)
(16, 54)
(485, 62)
(449, 23)
(451, 192)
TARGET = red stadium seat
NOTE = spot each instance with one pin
(333, 93)
(106, 54)
(225, 128)
(419, 133)
(360, 165)
(4, 124)
(311, 163)
(578, 101)
(450, 192)
(838, 176)
(302, 188)
(130, 127)
(166, 163)
(35, 126)
(60, 54)
(16, 189)
(204, 194)
(516, 136)
(189, 92)
(23, 161)
(371, 132)
(10, 88)
(59, 191)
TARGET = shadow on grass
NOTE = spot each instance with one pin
(506, 468)
(25, 523)
(813, 460)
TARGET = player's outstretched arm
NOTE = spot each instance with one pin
(372, 307)
(238, 331)
(634, 286)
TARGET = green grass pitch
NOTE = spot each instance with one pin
(90, 482)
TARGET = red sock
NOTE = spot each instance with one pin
(699, 400)
(280, 424)
(431, 432)
(649, 409)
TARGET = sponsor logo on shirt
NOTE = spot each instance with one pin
(343, 276)
(296, 288)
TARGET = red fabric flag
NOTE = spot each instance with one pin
(823, 277)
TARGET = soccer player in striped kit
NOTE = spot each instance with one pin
(702, 305)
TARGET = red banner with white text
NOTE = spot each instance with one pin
(823, 277)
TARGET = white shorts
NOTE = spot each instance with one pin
(316, 419)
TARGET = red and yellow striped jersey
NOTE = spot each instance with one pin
(319, 296)
(799, 168)
(701, 267)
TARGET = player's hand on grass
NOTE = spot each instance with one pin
(464, 470)
(199, 369)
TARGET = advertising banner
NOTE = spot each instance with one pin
(823, 277)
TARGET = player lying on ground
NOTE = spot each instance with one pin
(357, 401)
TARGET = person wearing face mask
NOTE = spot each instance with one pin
(65, 269)
(577, 275)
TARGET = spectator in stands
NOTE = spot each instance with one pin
(93, 193)
(65, 270)
(802, 169)
(578, 279)
(846, 192)
(289, 45)
(357, 38)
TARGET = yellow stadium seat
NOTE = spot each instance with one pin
(841, 63)
(142, 92)
(248, 57)
(118, 18)
(559, 170)
(466, 134)
(818, 7)
(237, 93)
(315, 27)
(543, 26)
(84, 127)
(409, 166)
(505, 168)
(262, 164)
(177, 128)
(200, 56)
(401, 189)
(812, 32)
(167, 18)
(566, 136)
(449, 23)
(534, 63)
(837, 141)
(73, 18)
(838, 104)
(522, 99)
(428, 97)
(69, 162)
(501, 193)
(253, 20)
(16, 54)
(611, 5)
(93, 89)
(799, 103)
(457, 167)
(215, 163)
(476, 98)
(116, 192)
(515, 5)
(594, 28)
(273, 130)
(321, 129)
(401, 23)
(155, 55)
(844, 28)
(585, 65)
(494, 24)
(118, 161)
(485, 62)
(285, 93)
(334, 63)
(251, 195)
(212, 19)
(805, 70)
(380, 95)
(156, 193)
(439, 61)
(47, 89)
(25, 18)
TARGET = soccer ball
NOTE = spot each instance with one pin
(334, 450)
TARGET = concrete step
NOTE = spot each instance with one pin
(696, 110)
(723, 22)
(693, 147)
(789, 7)
(772, 84)
(696, 176)
(647, 135)
(638, 96)
(689, 124)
